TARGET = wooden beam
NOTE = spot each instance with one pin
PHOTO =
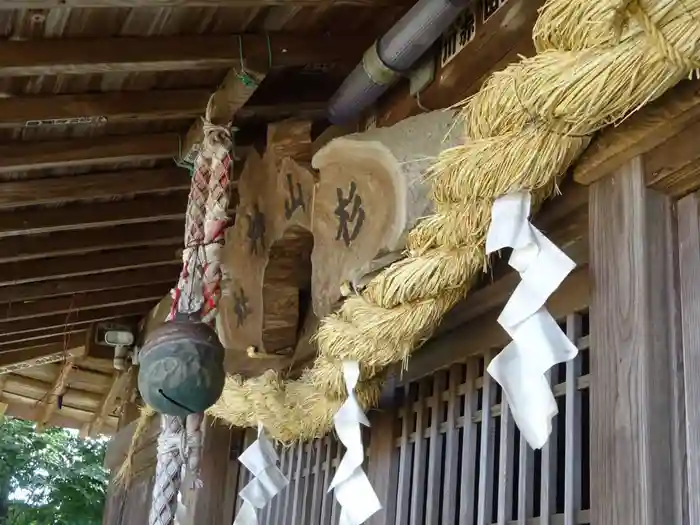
(117, 106)
(239, 4)
(46, 407)
(72, 242)
(119, 382)
(81, 56)
(20, 156)
(80, 216)
(66, 321)
(233, 93)
(82, 301)
(166, 273)
(70, 335)
(497, 42)
(633, 311)
(644, 130)
(14, 273)
(54, 190)
(36, 356)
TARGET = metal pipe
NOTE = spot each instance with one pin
(393, 55)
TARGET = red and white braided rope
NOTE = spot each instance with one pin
(197, 292)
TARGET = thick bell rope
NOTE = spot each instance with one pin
(181, 370)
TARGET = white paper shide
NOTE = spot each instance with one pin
(538, 343)
(354, 492)
(261, 460)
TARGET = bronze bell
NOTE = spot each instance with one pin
(181, 367)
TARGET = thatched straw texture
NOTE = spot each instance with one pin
(598, 61)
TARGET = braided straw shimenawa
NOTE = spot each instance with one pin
(597, 61)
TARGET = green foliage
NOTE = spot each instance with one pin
(52, 478)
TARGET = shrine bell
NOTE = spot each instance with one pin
(181, 367)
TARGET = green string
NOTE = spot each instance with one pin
(243, 75)
(180, 162)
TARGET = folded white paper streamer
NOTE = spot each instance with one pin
(538, 341)
(261, 460)
(354, 492)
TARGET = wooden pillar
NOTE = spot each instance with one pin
(210, 503)
(633, 315)
(689, 361)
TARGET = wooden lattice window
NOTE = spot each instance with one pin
(461, 464)
(309, 467)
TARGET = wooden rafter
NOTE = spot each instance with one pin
(82, 216)
(115, 107)
(35, 356)
(233, 93)
(87, 151)
(120, 382)
(71, 335)
(46, 407)
(243, 4)
(72, 242)
(3, 406)
(90, 283)
(74, 303)
(134, 54)
(65, 321)
(72, 265)
(96, 186)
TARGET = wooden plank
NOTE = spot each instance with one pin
(450, 485)
(208, 506)
(80, 56)
(687, 367)
(468, 506)
(55, 190)
(526, 475)
(72, 242)
(45, 408)
(37, 356)
(120, 381)
(14, 273)
(74, 334)
(486, 450)
(405, 459)
(116, 106)
(80, 216)
(435, 455)
(631, 409)
(505, 466)
(297, 493)
(651, 126)
(572, 428)
(548, 478)
(90, 283)
(75, 303)
(317, 490)
(419, 453)
(66, 321)
(51, 4)
(327, 502)
(672, 167)
(497, 42)
(20, 156)
(231, 484)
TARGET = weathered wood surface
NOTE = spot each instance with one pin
(50, 4)
(371, 191)
(687, 366)
(275, 200)
(665, 131)
(169, 53)
(632, 308)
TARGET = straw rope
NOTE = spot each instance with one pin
(597, 61)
